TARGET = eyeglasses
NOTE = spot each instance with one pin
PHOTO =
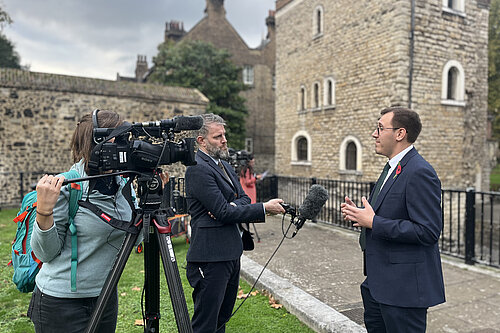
(380, 129)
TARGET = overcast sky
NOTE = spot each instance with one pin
(100, 38)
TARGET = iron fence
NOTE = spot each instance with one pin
(471, 219)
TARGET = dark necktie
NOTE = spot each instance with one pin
(373, 199)
(224, 171)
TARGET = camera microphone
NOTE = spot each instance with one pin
(179, 123)
(183, 123)
(311, 206)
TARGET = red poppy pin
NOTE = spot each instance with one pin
(398, 171)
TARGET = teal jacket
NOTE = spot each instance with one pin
(98, 243)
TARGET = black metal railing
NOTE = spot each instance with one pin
(471, 220)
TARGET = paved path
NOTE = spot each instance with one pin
(323, 264)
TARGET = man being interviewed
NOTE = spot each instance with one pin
(401, 225)
(217, 205)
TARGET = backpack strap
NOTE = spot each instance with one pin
(75, 194)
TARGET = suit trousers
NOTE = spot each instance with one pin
(383, 318)
(54, 314)
(215, 288)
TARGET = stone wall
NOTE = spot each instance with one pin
(38, 113)
(365, 48)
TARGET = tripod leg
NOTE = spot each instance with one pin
(152, 285)
(111, 281)
(256, 234)
(174, 282)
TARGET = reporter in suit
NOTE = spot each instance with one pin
(402, 224)
(217, 205)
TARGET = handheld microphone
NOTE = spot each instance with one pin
(311, 206)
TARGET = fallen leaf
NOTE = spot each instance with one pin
(241, 295)
(139, 322)
(123, 294)
(254, 293)
(136, 289)
(274, 304)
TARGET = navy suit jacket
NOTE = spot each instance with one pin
(208, 190)
(403, 263)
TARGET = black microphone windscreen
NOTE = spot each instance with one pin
(184, 123)
(313, 202)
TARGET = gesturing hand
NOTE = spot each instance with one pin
(362, 217)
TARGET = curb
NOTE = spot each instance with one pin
(311, 311)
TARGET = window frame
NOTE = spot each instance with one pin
(318, 27)
(343, 154)
(294, 149)
(248, 75)
(327, 91)
(459, 92)
(457, 9)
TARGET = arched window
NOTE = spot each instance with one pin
(318, 21)
(350, 156)
(329, 92)
(316, 95)
(301, 148)
(453, 84)
(302, 98)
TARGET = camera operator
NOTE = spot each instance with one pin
(217, 205)
(54, 306)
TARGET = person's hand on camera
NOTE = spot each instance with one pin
(47, 189)
(164, 177)
(273, 207)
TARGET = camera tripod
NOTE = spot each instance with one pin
(153, 221)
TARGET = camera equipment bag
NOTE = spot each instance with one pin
(26, 264)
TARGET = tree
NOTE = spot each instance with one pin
(494, 66)
(200, 65)
(8, 56)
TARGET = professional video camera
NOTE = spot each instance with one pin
(238, 158)
(143, 146)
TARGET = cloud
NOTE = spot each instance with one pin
(98, 38)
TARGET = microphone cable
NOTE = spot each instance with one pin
(267, 263)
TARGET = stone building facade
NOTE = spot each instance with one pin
(339, 62)
(39, 112)
(258, 66)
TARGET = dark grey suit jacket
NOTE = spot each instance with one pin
(208, 190)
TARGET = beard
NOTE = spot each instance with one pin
(217, 152)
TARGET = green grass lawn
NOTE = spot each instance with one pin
(256, 315)
(495, 178)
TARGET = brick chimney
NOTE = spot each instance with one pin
(270, 23)
(174, 31)
(215, 8)
(141, 67)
